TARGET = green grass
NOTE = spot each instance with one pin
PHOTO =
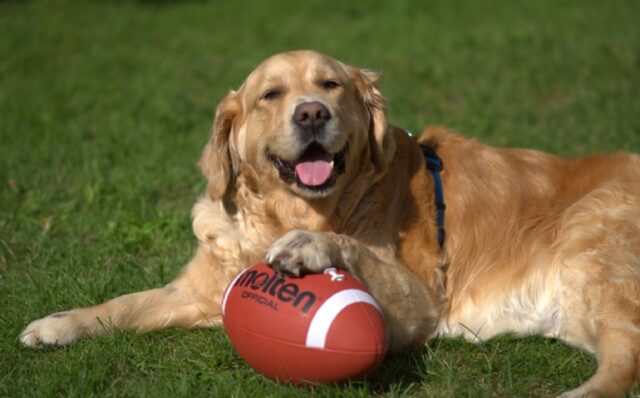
(105, 106)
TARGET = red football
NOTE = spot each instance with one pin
(317, 328)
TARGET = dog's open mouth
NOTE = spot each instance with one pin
(315, 170)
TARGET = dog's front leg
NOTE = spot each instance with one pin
(411, 308)
(191, 300)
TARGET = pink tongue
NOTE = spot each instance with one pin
(314, 172)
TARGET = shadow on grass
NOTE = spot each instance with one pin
(399, 372)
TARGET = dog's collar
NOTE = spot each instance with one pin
(435, 166)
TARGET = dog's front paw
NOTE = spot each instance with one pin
(299, 252)
(60, 328)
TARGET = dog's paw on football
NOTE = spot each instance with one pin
(301, 252)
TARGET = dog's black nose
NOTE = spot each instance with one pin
(311, 115)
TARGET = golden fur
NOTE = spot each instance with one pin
(536, 244)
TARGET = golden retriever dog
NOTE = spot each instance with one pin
(305, 173)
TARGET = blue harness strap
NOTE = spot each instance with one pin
(435, 166)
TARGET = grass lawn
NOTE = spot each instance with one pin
(105, 106)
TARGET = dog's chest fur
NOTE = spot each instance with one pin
(234, 241)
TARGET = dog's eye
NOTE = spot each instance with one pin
(330, 84)
(272, 94)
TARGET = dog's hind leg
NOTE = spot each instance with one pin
(601, 293)
(617, 354)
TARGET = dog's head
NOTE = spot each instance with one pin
(302, 122)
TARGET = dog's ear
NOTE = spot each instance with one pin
(381, 142)
(216, 159)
